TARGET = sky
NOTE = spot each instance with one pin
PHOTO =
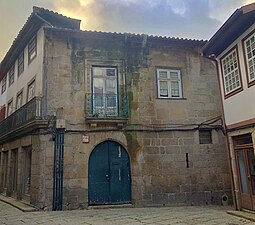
(195, 19)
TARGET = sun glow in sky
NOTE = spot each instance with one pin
(197, 19)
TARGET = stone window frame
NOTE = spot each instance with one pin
(169, 81)
(32, 48)
(21, 63)
(251, 35)
(4, 81)
(11, 75)
(239, 88)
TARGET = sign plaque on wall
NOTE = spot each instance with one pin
(85, 139)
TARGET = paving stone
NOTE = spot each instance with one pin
(210, 215)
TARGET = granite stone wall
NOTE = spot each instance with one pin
(159, 134)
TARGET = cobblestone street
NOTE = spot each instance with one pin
(210, 215)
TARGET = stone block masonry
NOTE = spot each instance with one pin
(168, 165)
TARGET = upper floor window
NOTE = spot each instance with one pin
(31, 90)
(32, 49)
(105, 99)
(21, 63)
(10, 108)
(249, 52)
(231, 72)
(11, 75)
(169, 83)
(4, 84)
(19, 100)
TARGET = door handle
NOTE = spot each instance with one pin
(107, 176)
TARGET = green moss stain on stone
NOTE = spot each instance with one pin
(133, 146)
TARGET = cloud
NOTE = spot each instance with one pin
(197, 19)
(180, 18)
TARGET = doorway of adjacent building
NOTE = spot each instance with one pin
(27, 172)
(245, 160)
(109, 175)
(14, 171)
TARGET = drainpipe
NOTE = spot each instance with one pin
(213, 58)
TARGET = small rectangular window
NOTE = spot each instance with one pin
(205, 136)
(169, 83)
(11, 75)
(4, 84)
(32, 49)
(21, 63)
(31, 91)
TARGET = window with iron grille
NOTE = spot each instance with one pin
(205, 136)
(169, 83)
(11, 75)
(249, 48)
(231, 73)
(32, 49)
(21, 63)
(4, 84)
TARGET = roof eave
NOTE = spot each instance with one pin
(220, 39)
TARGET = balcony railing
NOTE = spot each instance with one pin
(109, 106)
(27, 113)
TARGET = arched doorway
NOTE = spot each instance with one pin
(109, 175)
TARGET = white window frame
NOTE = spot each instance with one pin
(250, 63)
(105, 110)
(32, 48)
(4, 81)
(169, 81)
(11, 75)
(228, 69)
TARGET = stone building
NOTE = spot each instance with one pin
(109, 118)
(233, 49)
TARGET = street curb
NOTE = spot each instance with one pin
(24, 207)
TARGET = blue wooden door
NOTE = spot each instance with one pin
(109, 175)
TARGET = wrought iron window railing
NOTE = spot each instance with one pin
(30, 111)
(106, 106)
